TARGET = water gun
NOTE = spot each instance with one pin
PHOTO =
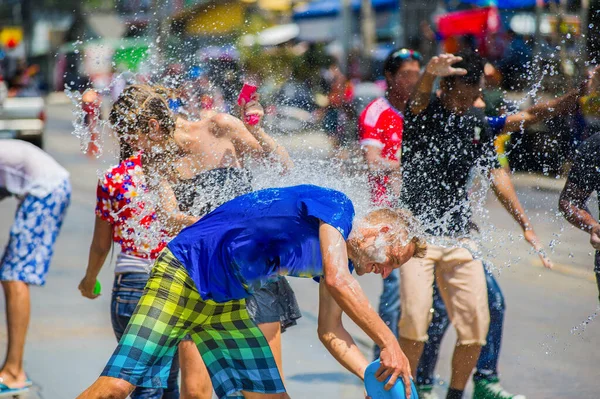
(246, 94)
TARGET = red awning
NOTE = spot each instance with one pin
(475, 22)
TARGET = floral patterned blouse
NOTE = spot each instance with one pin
(135, 227)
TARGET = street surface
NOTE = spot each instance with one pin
(548, 350)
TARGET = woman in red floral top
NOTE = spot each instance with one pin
(118, 204)
(122, 218)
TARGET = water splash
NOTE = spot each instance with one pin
(316, 167)
(581, 327)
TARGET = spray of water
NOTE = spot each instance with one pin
(315, 168)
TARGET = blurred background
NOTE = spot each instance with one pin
(291, 49)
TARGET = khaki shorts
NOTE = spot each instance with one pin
(461, 282)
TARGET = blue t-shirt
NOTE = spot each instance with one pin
(244, 243)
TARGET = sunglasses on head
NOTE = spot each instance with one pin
(405, 54)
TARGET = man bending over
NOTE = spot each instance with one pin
(199, 284)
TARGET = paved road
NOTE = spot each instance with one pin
(549, 351)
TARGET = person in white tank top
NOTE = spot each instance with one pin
(42, 187)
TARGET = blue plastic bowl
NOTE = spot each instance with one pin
(375, 389)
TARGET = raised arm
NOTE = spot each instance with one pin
(278, 153)
(348, 294)
(439, 66)
(255, 144)
(505, 192)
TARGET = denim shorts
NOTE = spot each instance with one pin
(274, 302)
(127, 291)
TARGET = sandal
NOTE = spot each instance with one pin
(6, 391)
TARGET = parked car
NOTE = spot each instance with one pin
(23, 118)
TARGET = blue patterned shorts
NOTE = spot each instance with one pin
(32, 236)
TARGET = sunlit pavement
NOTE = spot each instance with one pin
(70, 337)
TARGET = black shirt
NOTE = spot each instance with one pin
(439, 149)
(585, 172)
(211, 188)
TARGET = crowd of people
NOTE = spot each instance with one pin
(200, 281)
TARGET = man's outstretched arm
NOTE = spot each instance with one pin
(543, 111)
(348, 294)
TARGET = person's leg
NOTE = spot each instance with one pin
(437, 328)
(25, 262)
(389, 305)
(274, 308)
(172, 389)
(272, 333)
(487, 382)
(163, 316)
(416, 287)
(16, 294)
(127, 291)
(289, 309)
(487, 365)
(195, 381)
(461, 281)
(463, 361)
(235, 351)
(413, 350)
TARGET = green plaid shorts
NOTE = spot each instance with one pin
(234, 350)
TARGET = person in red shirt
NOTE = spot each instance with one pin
(381, 124)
